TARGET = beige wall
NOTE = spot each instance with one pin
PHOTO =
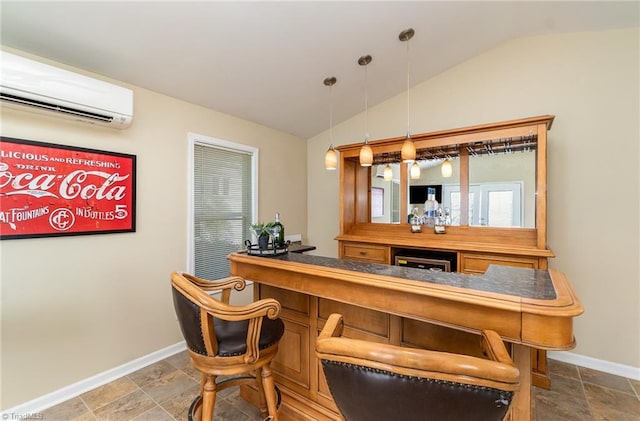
(590, 81)
(77, 306)
(71, 307)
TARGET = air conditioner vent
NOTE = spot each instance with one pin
(34, 86)
(52, 107)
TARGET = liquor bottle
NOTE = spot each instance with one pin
(415, 221)
(278, 228)
(439, 227)
(430, 207)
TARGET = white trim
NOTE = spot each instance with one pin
(100, 379)
(194, 138)
(596, 364)
(71, 391)
(293, 237)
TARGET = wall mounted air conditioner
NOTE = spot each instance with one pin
(35, 86)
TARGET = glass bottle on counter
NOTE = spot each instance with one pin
(278, 232)
(415, 220)
(430, 207)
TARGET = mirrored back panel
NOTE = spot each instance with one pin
(488, 176)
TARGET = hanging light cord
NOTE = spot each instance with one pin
(331, 115)
(366, 105)
(408, 131)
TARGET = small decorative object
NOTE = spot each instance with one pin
(261, 232)
(264, 247)
(416, 224)
(269, 251)
(415, 220)
(447, 216)
(439, 226)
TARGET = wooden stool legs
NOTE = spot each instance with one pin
(203, 406)
(269, 388)
(208, 397)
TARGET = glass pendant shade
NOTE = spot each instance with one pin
(388, 173)
(330, 159)
(366, 155)
(446, 169)
(415, 171)
(408, 150)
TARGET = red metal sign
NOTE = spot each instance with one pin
(52, 190)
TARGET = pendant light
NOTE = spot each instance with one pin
(366, 153)
(388, 173)
(408, 151)
(330, 158)
(415, 171)
(446, 169)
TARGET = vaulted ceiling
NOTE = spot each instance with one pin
(266, 61)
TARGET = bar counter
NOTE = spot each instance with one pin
(527, 307)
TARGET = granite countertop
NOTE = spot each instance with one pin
(520, 282)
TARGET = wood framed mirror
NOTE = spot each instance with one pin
(498, 178)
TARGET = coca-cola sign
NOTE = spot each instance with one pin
(51, 190)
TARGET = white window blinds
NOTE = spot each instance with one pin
(222, 206)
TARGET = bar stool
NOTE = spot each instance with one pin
(373, 381)
(237, 342)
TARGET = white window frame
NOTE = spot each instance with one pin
(193, 139)
(480, 198)
(515, 187)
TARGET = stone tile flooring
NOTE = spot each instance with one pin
(163, 392)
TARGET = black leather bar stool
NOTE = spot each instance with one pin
(237, 342)
(373, 381)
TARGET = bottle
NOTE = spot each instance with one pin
(430, 208)
(439, 227)
(278, 232)
(415, 221)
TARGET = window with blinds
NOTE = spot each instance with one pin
(223, 206)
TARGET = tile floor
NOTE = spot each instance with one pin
(163, 392)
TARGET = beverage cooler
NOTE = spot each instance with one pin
(437, 261)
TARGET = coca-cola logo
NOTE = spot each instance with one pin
(79, 183)
(48, 189)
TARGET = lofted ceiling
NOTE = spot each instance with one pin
(266, 61)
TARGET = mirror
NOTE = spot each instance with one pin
(431, 176)
(502, 189)
(501, 183)
(503, 165)
(385, 195)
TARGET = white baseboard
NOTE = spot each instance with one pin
(293, 237)
(596, 364)
(68, 392)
